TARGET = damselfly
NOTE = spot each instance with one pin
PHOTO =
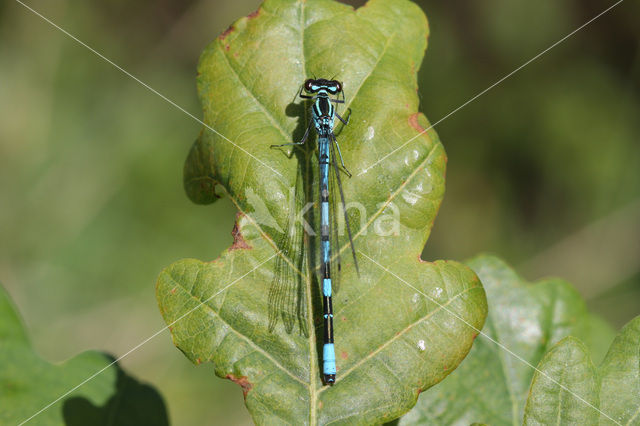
(323, 114)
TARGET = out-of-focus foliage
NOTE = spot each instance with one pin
(30, 386)
(613, 388)
(91, 163)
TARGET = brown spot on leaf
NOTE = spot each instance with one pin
(344, 355)
(413, 122)
(244, 383)
(226, 32)
(239, 242)
(173, 290)
(232, 28)
(227, 47)
(198, 361)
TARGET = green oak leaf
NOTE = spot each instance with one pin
(568, 364)
(28, 384)
(491, 385)
(393, 339)
(613, 389)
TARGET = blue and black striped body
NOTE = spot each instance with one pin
(323, 117)
(323, 114)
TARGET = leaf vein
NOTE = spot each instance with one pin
(401, 333)
(258, 103)
(237, 332)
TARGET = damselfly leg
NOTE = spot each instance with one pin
(304, 139)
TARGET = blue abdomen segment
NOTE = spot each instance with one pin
(326, 287)
(326, 252)
(325, 213)
(328, 359)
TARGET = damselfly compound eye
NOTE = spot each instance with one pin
(308, 84)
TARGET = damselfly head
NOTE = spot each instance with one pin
(312, 85)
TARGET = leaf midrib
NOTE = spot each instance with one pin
(313, 361)
(561, 394)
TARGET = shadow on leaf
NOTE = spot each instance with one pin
(132, 404)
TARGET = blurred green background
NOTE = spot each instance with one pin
(544, 170)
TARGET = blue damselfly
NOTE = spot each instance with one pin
(323, 114)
